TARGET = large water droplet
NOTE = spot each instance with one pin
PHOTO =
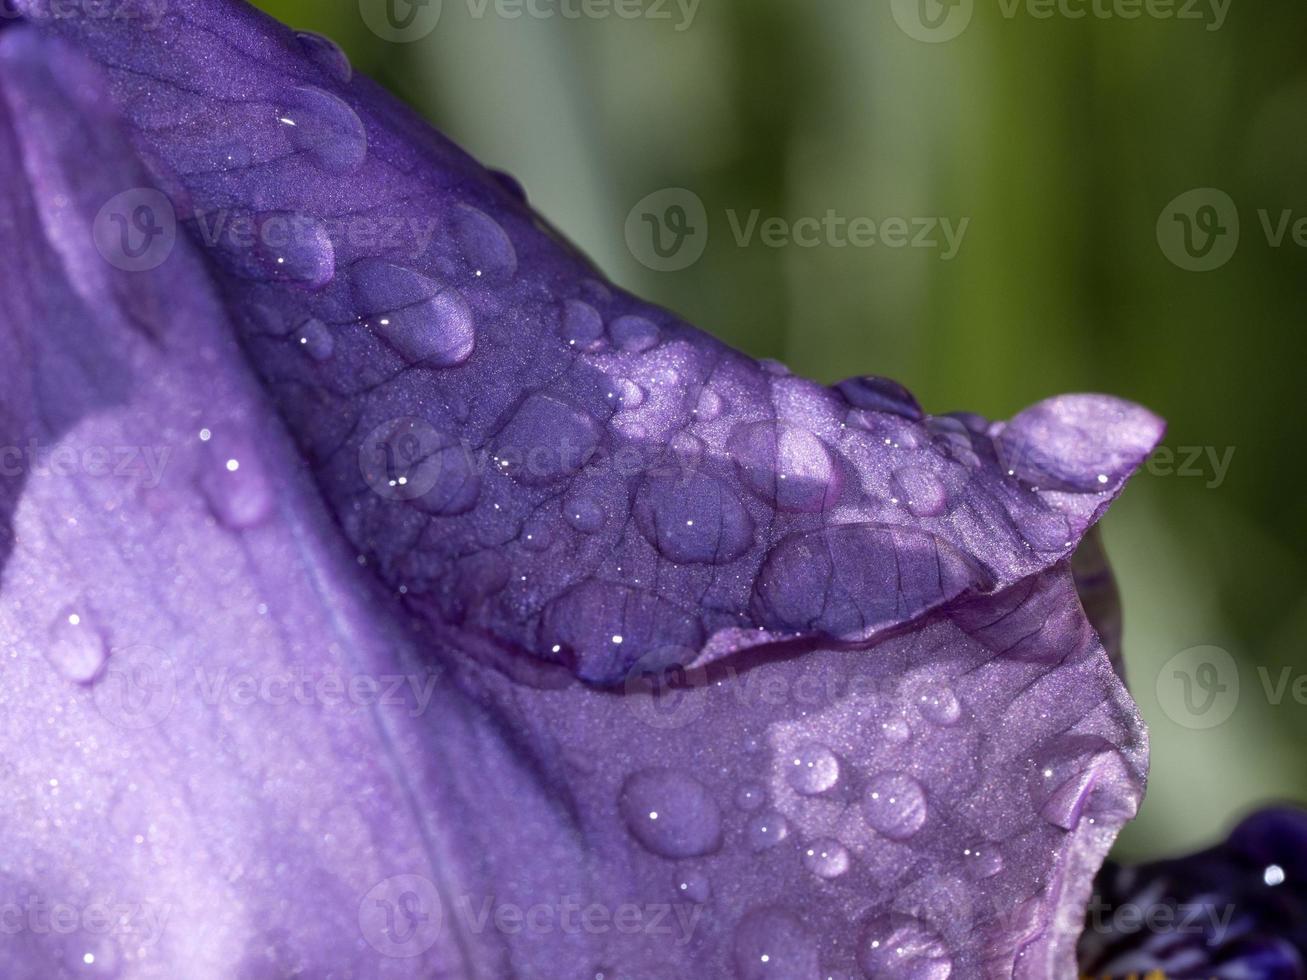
(812, 769)
(323, 127)
(425, 322)
(76, 648)
(693, 519)
(903, 946)
(326, 54)
(826, 858)
(786, 466)
(1073, 776)
(772, 944)
(316, 339)
(671, 814)
(766, 830)
(895, 804)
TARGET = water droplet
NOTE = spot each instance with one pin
(709, 406)
(324, 128)
(812, 769)
(766, 830)
(234, 482)
(634, 333)
(487, 249)
(786, 466)
(293, 248)
(750, 797)
(981, 861)
(582, 327)
(77, 648)
(919, 490)
(1073, 776)
(895, 805)
(326, 54)
(772, 944)
(939, 705)
(692, 886)
(903, 946)
(547, 439)
(629, 394)
(693, 519)
(876, 394)
(316, 340)
(671, 814)
(583, 512)
(826, 858)
(425, 322)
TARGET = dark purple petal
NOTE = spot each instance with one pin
(1234, 911)
(889, 725)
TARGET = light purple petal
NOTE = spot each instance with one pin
(542, 482)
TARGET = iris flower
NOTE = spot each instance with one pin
(384, 593)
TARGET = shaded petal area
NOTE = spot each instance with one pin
(1235, 910)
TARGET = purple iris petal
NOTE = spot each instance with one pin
(1237, 910)
(712, 670)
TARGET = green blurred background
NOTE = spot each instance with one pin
(1063, 140)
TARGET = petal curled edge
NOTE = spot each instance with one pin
(507, 438)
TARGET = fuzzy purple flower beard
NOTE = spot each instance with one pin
(470, 471)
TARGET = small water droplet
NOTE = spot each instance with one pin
(583, 512)
(629, 394)
(772, 944)
(324, 128)
(293, 248)
(766, 830)
(235, 483)
(826, 858)
(692, 886)
(786, 466)
(920, 490)
(709, 406)
(750, 797)
(982, 861)
(582, 327)
(316, 339)
(671, 813)
(327, 55)
(940, 706)
(76, 648)
(634, 334)
(895, 805)
(812, 769)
